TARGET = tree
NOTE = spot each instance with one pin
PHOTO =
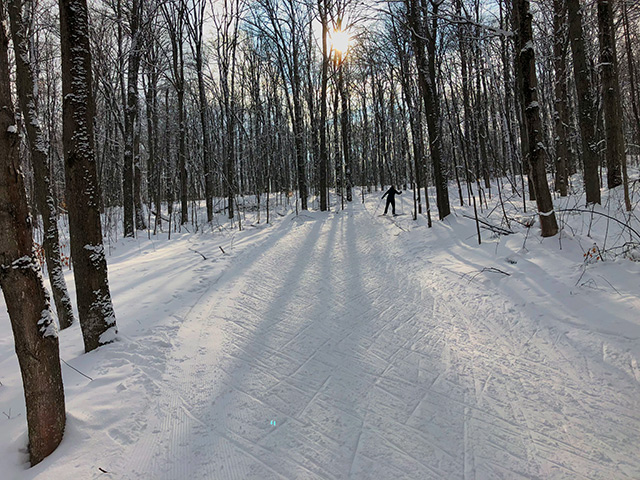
(226, 22)
(424, 38)
(522, 19)
(45, 199)
(95, 310)
(586, 105)
(323, 11)
(613, 119)
(195, 27)
(131, 117)
(561, 114)
(174, 15)
(34, 330)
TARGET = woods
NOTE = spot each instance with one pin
(134, 113)
(243, 98)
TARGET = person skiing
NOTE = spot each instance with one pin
(391, 199)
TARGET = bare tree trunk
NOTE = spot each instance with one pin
(95, 309)
(613, 118)
(45, 198)
(196, 31)
(130, 119)
(345, 125)
(324, 154)
(427, 78)
(34, 331)
(586, 106)
(561, 113)
(141, 222)
(522, 20)
(632, 75)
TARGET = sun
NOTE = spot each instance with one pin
(340, 41)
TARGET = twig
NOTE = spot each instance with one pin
(616, 290)
(222, 250)
(74, 368)
(490, 269)
(604, 215)
(199, 253)
(488, 226)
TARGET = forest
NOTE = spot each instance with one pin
(147, 119)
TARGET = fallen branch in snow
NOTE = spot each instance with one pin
(490, 269)
(222, 250)
(74, 368)
(102, 470)
(199, 253)
(493, 228)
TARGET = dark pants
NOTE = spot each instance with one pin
(390, 201)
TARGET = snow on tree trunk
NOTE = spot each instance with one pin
(614, 129)
(44, 197)
(587, 112)
(95, 309)
(522, 20)
(34, 331)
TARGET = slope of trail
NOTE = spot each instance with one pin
(372, 366)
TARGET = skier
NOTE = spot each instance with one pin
(391, 199)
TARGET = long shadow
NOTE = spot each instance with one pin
(258, 383)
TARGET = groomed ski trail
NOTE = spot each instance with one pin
(372, 365)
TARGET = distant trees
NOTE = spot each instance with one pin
(246, 98)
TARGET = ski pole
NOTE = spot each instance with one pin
(377, 207)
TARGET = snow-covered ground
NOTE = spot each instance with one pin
(349, 345)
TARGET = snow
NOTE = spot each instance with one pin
(378, 347)
(12, 129)
(48, 327)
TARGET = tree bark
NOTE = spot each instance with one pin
(130, 119)
(613, 118)
(324, 154)
(95, 310)
(561, 114)
(427, 79)
(522, 19)
(34, 331)
(587, 112)
(44, 196)
(345, 125)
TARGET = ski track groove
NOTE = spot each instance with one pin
(371, 371)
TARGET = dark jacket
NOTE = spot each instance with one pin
(392, 192)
